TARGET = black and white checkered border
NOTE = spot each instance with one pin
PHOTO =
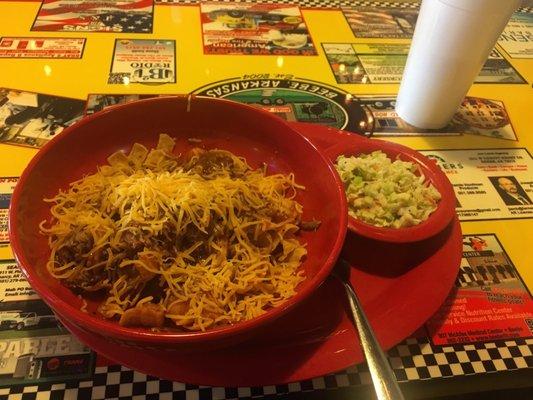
(417, 359)
(484, 276)
(308, 3)
(414, 359)
(319, 3)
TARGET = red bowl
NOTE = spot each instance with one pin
(258, 136)
(437, 221)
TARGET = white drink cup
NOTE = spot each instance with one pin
(452, 41)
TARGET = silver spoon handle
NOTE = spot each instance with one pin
(384, 380)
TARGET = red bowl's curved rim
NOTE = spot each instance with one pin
(436, 222)
(164, 338)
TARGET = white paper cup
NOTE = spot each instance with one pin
(452, 40)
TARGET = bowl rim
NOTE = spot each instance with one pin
(437, 220)
(143, 335)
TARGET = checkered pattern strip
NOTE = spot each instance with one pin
(485, 275)
(309, 3)
(413, 359)
(320, 3)
(417, 359)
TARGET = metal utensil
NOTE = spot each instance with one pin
(383, 378)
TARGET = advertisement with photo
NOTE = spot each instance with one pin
(498, 70)
(255, 29)
(489, 301)
(517, 37)
(385, 62)
(115, 16)
(41, 47)
(490, 184)
(382, 22)
(148, 61)
(32, 119)
(475, 116)
(34, 346)
(99, 102)
(7, 185)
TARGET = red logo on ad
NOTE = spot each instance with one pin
(53, 364)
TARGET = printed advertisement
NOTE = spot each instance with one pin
(366, 62)
(13, 287)
(517, 37)
(143, 61)
(7, 185)
(99, 102)
(489, 183)
(498, 70)
(490, 301)
(476, 116)
(384, 63)
(257, 29)
(382, 22)
(32, 119)
(294, 100)
(34, 346)
(25, 47)
(129, 16)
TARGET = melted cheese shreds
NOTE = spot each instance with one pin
(210, 248)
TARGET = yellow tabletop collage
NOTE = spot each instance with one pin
(334, 63)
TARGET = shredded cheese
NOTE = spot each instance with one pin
(241, 259)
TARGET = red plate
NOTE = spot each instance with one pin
(400, 286)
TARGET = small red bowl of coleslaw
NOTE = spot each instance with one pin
(394, 193)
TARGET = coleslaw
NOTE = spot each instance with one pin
(386, 193)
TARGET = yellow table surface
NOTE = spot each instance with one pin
(78, 78)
